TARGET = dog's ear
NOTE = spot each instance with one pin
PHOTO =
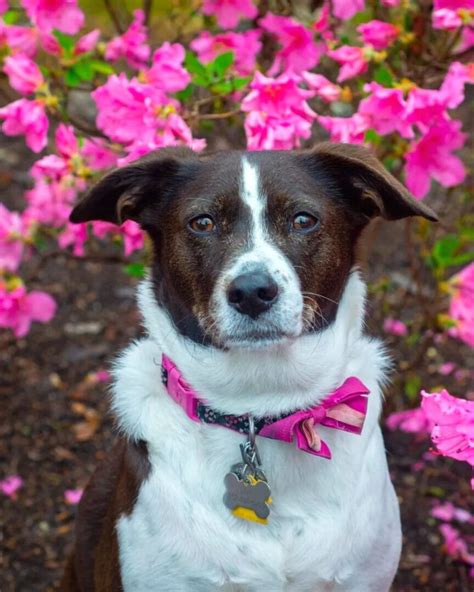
(124, 193)
(370, 187)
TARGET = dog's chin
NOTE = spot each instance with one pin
(257, 341)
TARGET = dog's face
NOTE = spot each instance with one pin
(251, 248)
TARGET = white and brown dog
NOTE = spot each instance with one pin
(255, 312)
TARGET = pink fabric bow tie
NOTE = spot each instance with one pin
(344, 409)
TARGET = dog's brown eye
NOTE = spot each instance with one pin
(202, 224)
(304, 222)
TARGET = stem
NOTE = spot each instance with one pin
(147, 6)
(114, 16)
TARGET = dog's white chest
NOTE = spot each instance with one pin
(180, 536)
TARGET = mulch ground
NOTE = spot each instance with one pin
(55, 425)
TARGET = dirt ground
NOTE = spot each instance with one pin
(55, 425)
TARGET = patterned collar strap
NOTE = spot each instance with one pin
(344, 409)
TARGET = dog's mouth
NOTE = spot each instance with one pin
(257, 339)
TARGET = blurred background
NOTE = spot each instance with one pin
(54, 419)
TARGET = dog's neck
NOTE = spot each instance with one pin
(272, 380)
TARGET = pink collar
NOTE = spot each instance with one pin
(344, 409)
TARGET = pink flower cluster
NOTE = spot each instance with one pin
(278, 116)
(461, 308)
(422, 117)
(10, 485)
(18, 309)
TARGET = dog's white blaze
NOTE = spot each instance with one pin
(255, 200)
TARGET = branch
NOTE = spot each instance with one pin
(147, 6)
(114, 16)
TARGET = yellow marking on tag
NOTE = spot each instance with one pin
(247, 514)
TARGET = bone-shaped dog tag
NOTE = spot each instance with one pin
(248, 498)
(247, 491)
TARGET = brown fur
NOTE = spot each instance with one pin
(111, 493)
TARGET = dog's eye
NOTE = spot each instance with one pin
(202, 224)
(304, 222)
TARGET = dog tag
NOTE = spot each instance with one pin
(247, 492)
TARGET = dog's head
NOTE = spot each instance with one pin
(251, 248)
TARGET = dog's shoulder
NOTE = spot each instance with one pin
(111, 493)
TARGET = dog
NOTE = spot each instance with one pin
(250, 456)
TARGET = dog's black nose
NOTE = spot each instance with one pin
(252, 293)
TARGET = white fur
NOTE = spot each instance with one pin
(285, 317)
(334, 524)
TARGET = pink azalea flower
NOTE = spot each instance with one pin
(455, 545)
(390, 3)
(461, 308)
(47, 15)
(346, 9)
(121, 108)
(278, 114)
(102, 376)
(10, 485)
(424, 107)
(453, 419)
(430, 157)
(395, 327)
(453, 4)
(132, 45)
(348, 130)
(167, 72)
(352, 60)
(446, 19)
(448, 512)
(229, 12)
(446, 368)
(323, 87)
(276, 96)
(50, 44)
(246, 46)
(97, 154)
(467, 40)
(87, 42)
(384, 110)
(452, 89)
(19, 39)
(412, 421)
(50, 203)
(24, 117)
(73, 496)
(23, 74)
(13, 231)
(3, 6)
(19, 309)
(130, 231)
(52, 167)
(133, 237)
(298, 50)
(75, 236)
(378, 34)
(66, 141)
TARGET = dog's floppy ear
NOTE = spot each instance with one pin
(374, 190)
(125, 192)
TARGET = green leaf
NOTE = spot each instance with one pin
(383, 77)
(193, 65)
(101, 67)
(136, 270)
(412, 387)
(222, 88)
(185, 94)
(11, 17)
(241, 82)
(72, 78)
(84, 70)
(222, 63)
(373, 137)
(65, 41)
